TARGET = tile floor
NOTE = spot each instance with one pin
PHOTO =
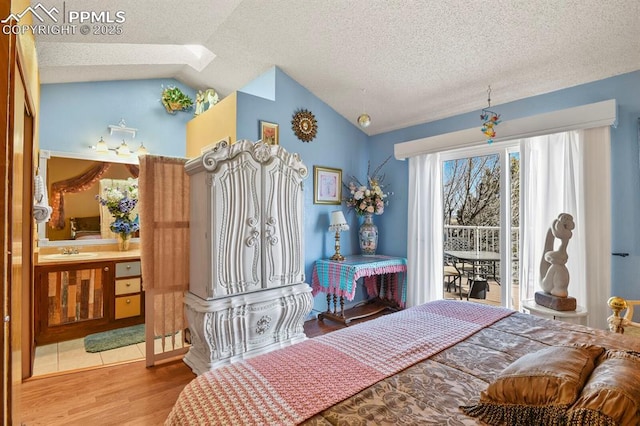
(70, 355)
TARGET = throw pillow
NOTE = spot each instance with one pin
(611, 396)
(537, 388)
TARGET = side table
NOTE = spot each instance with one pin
(384, 278)
(579, 316)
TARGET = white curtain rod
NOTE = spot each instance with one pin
(582, 117)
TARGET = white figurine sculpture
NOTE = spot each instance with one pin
(199, 103)
(554, 275)
(209, 97)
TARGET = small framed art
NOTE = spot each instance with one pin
(269, 133)
(327, 185)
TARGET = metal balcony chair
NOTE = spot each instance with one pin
(452, 276)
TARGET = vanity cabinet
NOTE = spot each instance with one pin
(73, 300)
(128, 290)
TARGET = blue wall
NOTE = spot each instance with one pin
(75, 115)
(338, 144)
(624, 164)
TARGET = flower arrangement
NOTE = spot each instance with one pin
(370, 198)
(120, 203)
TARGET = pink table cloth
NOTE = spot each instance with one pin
(340, 277)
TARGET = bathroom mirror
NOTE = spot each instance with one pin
(82, 208)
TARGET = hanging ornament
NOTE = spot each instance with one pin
(489, 120)
(364, 120)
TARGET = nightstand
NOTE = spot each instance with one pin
(579, 316)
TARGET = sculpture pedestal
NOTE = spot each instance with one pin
(554, 302)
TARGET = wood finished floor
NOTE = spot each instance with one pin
(126, 394)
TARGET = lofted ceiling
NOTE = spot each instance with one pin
(417, 61)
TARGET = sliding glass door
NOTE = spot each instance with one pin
(481, 224)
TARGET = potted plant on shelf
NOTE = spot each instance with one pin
(174, 100)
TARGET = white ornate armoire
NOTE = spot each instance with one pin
(247, 293)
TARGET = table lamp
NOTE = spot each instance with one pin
(338, 223)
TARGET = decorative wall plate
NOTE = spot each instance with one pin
(304, 125)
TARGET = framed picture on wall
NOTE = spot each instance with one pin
(327, 185)
(269, 133)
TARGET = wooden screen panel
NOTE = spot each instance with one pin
(165, 324)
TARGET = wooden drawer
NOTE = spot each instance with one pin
(127, 306)
(127, 285)
(128, 269)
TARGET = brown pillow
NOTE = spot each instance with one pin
(537, 388)
(611, 396)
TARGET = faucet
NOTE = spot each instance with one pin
(70, 250)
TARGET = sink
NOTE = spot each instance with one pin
(73, 256)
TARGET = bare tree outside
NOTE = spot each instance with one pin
(514, 161)
(471, 191)
(471, 203)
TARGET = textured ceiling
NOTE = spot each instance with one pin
(418, 61)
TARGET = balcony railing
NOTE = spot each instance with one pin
(481, 238)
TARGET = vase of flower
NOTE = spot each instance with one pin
(368, 234)
(123, 242)
(121, 202)
(367, 200)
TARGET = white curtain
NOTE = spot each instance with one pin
(568, 173)
(597, 178)
(424, 242)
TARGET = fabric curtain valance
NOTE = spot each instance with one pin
(581, 117)
(75, 184)
(133, 169)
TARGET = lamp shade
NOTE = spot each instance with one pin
(337, 218)
(142, 150)
(101, 146)
(338, 222)
(123, 149)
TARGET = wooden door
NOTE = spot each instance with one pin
(19, 272)
(7, 58)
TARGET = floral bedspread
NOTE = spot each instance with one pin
(430, 392)
(415, 366)
(291, 385)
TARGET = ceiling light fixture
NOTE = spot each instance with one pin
(364, 120)
(123, 149)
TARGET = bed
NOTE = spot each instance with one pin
(85, 228)
(416, 366)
